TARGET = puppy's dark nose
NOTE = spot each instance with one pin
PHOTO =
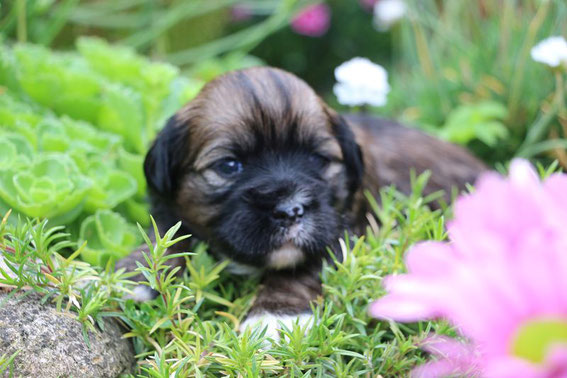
(288, 211)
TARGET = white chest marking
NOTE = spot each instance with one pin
(287, 256)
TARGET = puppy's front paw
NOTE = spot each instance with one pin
(275, 322)
(142, 293)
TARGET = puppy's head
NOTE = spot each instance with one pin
(258, 166)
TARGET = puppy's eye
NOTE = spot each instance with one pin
(318, 159)
(228, 167)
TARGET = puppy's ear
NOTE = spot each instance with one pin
(164, 161)
(352, 155)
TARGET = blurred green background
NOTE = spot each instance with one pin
(86, 85)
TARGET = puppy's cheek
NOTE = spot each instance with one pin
(193, 202)
(333, 170)
(274, 323)
(336, 177)
(214, 179)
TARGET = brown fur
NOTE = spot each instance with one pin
(243, 107)
(391, 151)
(287, 292)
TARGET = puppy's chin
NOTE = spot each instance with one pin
(290, 253)
(285, 257)
(288, 256)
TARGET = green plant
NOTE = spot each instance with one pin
(482, 121)
(107, 234)
(351, 33)
(31, 259)
(452, 54)
(6, 363)
(51, 186)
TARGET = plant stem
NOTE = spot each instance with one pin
(505, 32)
(22, 21)
(422, 50)
(60, 18)
(538, 148)
(522, 58)
(244, 39)
(183, 11)
(541, 126)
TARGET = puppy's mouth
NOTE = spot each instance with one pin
(294, 233)
(290, 253)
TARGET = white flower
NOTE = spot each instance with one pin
(551, 51)
(359, 81)
(388, 12)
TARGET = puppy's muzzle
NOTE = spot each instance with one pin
(286, 201)
(290, 211)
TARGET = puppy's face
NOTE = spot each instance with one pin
(258, 166)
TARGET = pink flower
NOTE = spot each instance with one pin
(501, 280)
(451, 356)
(313, 20)
(240, 12)
(368, 4)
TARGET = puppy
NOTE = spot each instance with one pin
(259, 167)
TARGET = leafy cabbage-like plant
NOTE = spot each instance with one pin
(112, 187)
(51, 187)
(15, 151)
(108, 235)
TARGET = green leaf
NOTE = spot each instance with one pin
(8, 153)
(108, 235)
(482, 121)
(111, 187)
(49, 187)
(134, 165)
(122, 112)
(136, 211)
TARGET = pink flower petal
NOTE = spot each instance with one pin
(446, 347)
(401, 309)
(240, 12)
(429, 258)
(522, 175)
(313, 20)
(453, 357)
(367, 4)
(434, 369)
(555, 366)
(556, 362)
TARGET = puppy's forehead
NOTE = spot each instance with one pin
(266, 102)
(259, 96)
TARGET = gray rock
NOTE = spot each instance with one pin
(51, 343)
